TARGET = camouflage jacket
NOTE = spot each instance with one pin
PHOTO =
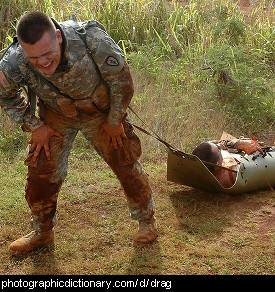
(103, 80)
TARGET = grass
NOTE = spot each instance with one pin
(201, 61)
(199, 67)
(199, 233)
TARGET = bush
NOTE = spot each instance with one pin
(169, 43)
(242, 84)
(12, 141)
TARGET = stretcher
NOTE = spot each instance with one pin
(256, 172)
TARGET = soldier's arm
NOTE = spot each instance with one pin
(245, 145)
(114, 70)
(121, 92)
(13, 101)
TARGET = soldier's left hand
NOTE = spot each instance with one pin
(40, 138)
(114, 135)
(249, 148)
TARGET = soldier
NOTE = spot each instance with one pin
(85, 85)
(216, 153)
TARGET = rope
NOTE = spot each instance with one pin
(173, 149)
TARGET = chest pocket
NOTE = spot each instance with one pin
(79, 80)
(80, 87)
(98, 101)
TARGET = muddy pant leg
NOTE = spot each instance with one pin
(44, 179)
(41, 195)
(135, 183)
(124, 164)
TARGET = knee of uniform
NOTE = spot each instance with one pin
(41, 186)
(133, 169)
(134, 174)
(135, 183)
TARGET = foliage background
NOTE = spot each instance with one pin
(199, 68)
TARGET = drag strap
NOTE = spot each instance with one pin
(173, 149)
(156, 136)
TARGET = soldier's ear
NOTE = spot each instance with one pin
(59, 36)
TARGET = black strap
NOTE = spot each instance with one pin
(17, 75)
(14, 41)
(156, 136)
(173, 149)
(81, 32)
(46, 81)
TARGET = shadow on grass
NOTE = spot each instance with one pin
(205, 215)
(41, 261)
(146, 260)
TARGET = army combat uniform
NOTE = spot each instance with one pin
(92, 89)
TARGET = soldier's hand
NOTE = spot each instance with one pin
(114, 135)
(249, 148)
(40, 138)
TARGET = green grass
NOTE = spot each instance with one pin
(199, 233)
(199, 68)
(195, 62)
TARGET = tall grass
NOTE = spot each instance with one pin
(199, 67)
(175, 25)
(202, 61)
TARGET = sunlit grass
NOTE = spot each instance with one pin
(181, 49)
(177, 51)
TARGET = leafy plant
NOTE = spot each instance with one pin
(241, 86)
(170, 43)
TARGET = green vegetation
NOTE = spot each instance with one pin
(202, 61)
(199, 68)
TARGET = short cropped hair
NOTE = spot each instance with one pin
(32, 25)
(205, 153)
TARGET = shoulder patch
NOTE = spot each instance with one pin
(112, 61)
(3, 80)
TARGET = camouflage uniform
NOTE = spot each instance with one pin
(88, 86)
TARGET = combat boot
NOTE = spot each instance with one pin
(31, 241)
(147, 232)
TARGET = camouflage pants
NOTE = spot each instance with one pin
(45, 177)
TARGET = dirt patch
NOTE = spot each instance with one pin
(265, 220)
(246, 6)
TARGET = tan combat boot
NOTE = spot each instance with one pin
(31, 241)
(147, 232)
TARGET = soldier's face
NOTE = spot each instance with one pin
(217, 151)
(45, 54)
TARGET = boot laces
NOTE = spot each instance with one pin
(145, 225)
(31, 234)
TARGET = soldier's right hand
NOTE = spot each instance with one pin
(249, 147)
(41, 138)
